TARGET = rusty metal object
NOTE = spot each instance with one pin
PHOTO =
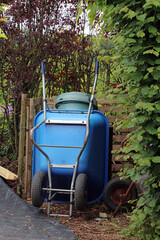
(121, 196)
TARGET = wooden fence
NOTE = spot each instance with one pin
(110, 108)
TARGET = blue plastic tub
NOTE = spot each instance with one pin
(94, 159)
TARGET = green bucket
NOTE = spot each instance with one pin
(74, 101)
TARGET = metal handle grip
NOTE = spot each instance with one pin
(97, 67)
(42, 67)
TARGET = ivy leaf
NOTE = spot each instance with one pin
(124, 9)
(151, 51)
(146, 76)
(141, 202)
(152, 131)
(151, 19)
(158, 119)
(140, 34)
(141, 119)
(151, 62)
(153, 203)
(157, 49)
(137, 77)
(158, 39)
(139, 138)
(131, 69)
(158, 16)
(150, 69)
(130, 40)
(158, 106)
(148, 93)
(157, 61)
(155, 53)
(147, 210)
(150, 4)
(141, 17)
(152, 29)
(131, 14)
(145, 90)
(156, 159)
(155, 87)
(144, 162)
(137, 48)
(156, 74)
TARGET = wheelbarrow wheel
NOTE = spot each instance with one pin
(113, 191)
(37, 195)
(81, 191)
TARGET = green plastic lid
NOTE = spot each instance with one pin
(75, 101)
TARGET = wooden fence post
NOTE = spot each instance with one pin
(21, 144)
(31, 105)
(26, 184)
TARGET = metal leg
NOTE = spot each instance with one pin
(48, 207)
(49, 202)
(71, 204)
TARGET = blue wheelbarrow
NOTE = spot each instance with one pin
(70, 154)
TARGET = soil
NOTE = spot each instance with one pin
(95, 223)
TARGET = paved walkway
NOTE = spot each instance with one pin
(21, 221)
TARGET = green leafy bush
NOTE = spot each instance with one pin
(138, 42)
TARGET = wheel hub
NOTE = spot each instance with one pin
(119, 195)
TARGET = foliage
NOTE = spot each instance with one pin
(110, 74)
(2, 19)
(137, 42)
(36, 31)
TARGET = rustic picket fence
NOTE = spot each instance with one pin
(31, 106)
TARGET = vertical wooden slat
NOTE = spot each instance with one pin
(27, 152)
(32, 105)
(110, 152)
(21, 144)
(31, 118)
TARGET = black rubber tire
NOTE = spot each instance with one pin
(37, 195)
(112, 190)
(81, 191)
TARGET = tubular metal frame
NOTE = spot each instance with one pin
(70, 191)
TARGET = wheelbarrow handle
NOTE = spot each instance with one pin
(97, 67)
(42, 67)
(43, 85)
